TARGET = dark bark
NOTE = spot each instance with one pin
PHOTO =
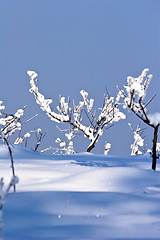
(90, 147)
(154, 154)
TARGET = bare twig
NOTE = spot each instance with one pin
(149, 101)
(39, 139)
(30, 119)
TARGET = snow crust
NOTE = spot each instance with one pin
(83, 196)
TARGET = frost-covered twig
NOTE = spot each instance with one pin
(66, 147)
(47, 149)
(30, 119)
(39, 136)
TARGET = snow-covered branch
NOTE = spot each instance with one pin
(45, 103)
(10, 122)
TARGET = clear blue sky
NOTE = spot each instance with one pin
(74, 45)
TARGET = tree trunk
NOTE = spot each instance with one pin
(154, 154)
(90, 147)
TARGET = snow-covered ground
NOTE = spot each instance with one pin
(82, 196)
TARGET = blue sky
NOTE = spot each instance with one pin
(74, 45)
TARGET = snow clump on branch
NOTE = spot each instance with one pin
(88, 103)
(107, 148)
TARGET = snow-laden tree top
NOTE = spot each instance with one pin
(134, 100)
(73, 115)
(134, 96)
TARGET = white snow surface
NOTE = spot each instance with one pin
(83, 196)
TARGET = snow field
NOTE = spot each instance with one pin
(82, 196)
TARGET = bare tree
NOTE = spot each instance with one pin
(134, 100)
(9, 124)
(24, 139)
(138, 140)
(98, 121)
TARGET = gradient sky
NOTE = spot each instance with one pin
(74, 45)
